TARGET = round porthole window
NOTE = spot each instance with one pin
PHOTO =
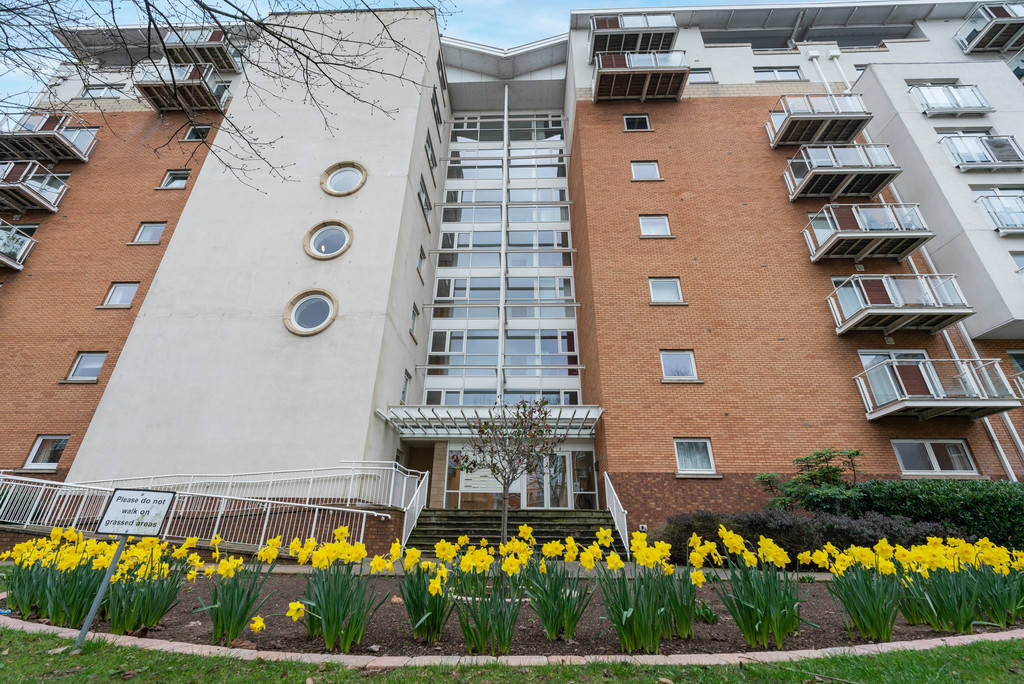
(310, 312)
(343, 179)
(327, 240)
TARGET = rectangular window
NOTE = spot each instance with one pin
(1017, 358)
(763, 74)
(87, 366)
(46, 451)
(420, 260)
(176, 179)
(103, 90)
(694, 456)
(405, 387)
(933, 457)
(637, 122)
(149, 233)
(441, 75)
(701, 76)
(436, 107)
(424, 199)
(665, 290)
(412, 321)
(645, 170)
(677, 364)
(197, 132)
(654, 225)
(121, 294)
(429, 147)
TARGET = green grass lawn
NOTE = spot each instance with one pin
(25, 658)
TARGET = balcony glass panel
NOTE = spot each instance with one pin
(983, 149)
(887, 379)
(950, 98)
(1006, 211)
(14, 244)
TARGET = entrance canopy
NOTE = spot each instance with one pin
(454, 421)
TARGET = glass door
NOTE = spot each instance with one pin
(549, 488)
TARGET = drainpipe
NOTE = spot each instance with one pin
(833, 56)
(503, 257)
(813, 55)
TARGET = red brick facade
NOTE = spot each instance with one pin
(777, 382)
(48, 311)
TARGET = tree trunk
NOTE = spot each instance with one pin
(504, 514)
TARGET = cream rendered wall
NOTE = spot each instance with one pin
(210, 380)
(965, 243)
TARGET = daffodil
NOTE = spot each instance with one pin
(296, 609)
(257, 625)
(615, 562)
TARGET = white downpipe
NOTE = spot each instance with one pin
(834, 58)
(813, 56)
(506, 154)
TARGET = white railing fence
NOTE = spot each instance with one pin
(242, 523)
(415, 507)
(611, 500)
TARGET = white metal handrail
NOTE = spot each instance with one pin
(14, 244)
(1018, 378)
(641, 60)
(968, 151)
(933, 379)
(812, 105)
(952, 98)
(811, 157)
(34, 176)
(863, 291)
(360, 483)
(626, 22)
(1006, 211)
(982, 17)
(611, 500)
(241, 522)
(415, 507)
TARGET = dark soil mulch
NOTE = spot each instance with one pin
(390, 628)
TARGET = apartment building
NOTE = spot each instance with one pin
(712, 238)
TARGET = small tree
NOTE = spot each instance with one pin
(516, 440)
(820, 484)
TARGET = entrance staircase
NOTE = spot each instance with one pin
(436, 524)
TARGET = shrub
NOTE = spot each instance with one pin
(979, 507)
(820, 483)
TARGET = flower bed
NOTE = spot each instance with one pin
(943, 586)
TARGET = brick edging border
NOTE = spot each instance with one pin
(356, 662)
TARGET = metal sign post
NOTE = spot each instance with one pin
(128, 512)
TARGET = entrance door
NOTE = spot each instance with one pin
(549, 488)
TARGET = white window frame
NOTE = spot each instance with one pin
(931, 456)
(428, 146)
(776, 72)
(451, 288)
(107, 91)
(650, 218)
(110, 293)
(420, 260)
(30, 465)
(634, 165)
(192, 134)
(627, 117)
(678, 378)
(1016, 357)
(172, 176)
(78, 361)
(406, 379)
(711, 455)
(679, 290)
(412, 322)
(436, 107)
(424, 196)
(710, 79)
(143, 226)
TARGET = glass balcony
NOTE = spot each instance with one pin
(984, 152)
(53, 136)
(27, 186)
(182, 87)
(993, 28)
(632, 33)
(1017, 66)
(640, 76)
(897, 302)
(955, 100)
(860, 231)
(1006, 212)
(928, 388)
(805, 119)
(201, 46)
(14, 246)
(834, 171)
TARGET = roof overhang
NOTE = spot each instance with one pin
(445, 422)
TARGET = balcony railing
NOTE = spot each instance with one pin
(957, 100)
(53, 136)
(986, 152)
(27, 186)
(840, 171)
(182, 87)
(201, 46)
(860, 231)
(928, 388)
(14, 246)
(1018, 383)
(640, 76)
(1017, 66)
(897, 302)
(1006, 212)
(993, 28)
(632, 33)
(805, 119)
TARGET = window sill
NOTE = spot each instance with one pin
(698, 476)
(657, 237)
(114, 306)
(670, 304)
(645, 180)
(163, 188)
(682, 381)
(184, 140)
(78, 381)
(637, 130)
(41, 469)
(413, 336)
(941, 476)
(144, 242)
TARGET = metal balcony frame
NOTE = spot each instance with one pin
(179, 50)
(36, 200)
(27, 243)
(866, 242)
(166, 92)
(992, 165)
(17, 141)
(810, 114)
(887, 172)
(595, 32)
(993, 216)
(647, 72)
(898, 314)
(1015, 42)
(931, 111)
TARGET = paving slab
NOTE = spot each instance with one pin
(522, 661)
(611, 659)
(433, 661)
(387, 662)
(566, 660)
(478, 660)
(653, 659)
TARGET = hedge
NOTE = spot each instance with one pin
(993, 509)
(796, 533)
